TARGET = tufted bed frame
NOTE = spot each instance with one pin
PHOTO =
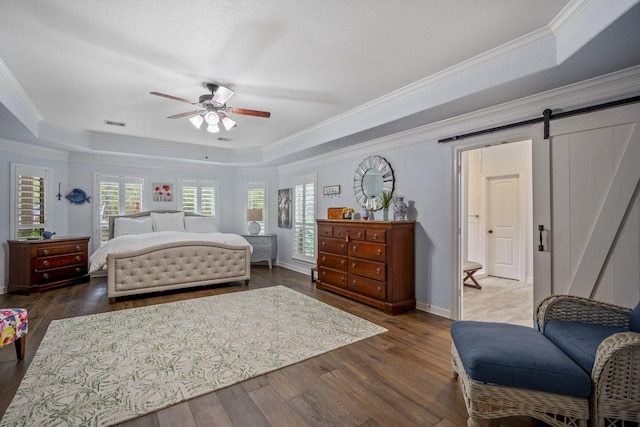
(174, 265)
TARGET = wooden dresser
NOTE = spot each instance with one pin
(368, 261)
(39, 265)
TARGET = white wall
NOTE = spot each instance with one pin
(20, 153)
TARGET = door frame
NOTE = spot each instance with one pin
(457, 148)
(522, 218)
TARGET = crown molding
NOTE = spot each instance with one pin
(26, 149)
(610, 87)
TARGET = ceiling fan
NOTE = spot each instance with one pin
(213, 109)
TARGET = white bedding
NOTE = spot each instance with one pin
(133, 242)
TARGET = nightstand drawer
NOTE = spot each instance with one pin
(60, 261)
(63, 273)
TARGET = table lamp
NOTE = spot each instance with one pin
(254, 215)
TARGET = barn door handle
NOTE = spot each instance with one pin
(540, 246)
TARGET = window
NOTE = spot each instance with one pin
(257, 199)
(30, 213)
(198, 196)
(304, 218)
(118, 195)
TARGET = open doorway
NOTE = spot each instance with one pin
(497, 236)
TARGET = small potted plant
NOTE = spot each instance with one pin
(347, 213)
(386, 197)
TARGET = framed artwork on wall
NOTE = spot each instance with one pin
(284, 208)
(162, 192)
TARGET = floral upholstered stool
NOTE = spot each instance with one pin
(14, 326)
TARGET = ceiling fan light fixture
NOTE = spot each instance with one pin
(222, 95)
(211, 118)
(196, 121)
(213, 128)
(228, 123)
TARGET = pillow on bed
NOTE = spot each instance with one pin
(168, 221)
(123, 226)
(200, 224)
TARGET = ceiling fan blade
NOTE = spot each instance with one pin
(244, 111)
(187, 114)
(164, 95)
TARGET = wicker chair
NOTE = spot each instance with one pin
(616, 370)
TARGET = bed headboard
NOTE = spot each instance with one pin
(144, 214)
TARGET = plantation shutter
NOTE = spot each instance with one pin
(118, 195)
(256, 199)
(198, 196)
(304, 227)
(31, 206)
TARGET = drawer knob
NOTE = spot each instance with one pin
(375, 236)
(45, 276)
(78, 247)
(342, 279)
(354, 283)
(353, 265)
(78, 257)
(342, 246)
(378, 270)
(324, 244)
(45, 262)
(379, 289)
(324, 259)
(342, 262)
(46, 252)
(360, 234)
(338, 232)
(354, 248)
(78, 269)
(379, 252)
(324, 273)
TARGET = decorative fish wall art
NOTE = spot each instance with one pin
(77, 196)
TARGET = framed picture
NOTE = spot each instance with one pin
(284, 208)
(162, 192)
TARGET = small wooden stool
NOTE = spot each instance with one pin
(470, 267)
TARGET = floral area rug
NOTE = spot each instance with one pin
(107, 368)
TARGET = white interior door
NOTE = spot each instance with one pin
(503, 232)
(585, 185)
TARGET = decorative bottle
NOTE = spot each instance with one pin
(400, 209)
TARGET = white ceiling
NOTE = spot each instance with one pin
(331, 73)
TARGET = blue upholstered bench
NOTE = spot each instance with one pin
(510, 370)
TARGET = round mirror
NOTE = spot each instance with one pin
(373, 176)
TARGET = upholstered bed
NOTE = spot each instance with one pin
(165, 250)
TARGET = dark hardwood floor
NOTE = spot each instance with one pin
(399, 378)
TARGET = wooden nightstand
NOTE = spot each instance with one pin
(39, 265)
(265, 247)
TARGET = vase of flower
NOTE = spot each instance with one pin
(400, 209)
(386, 197)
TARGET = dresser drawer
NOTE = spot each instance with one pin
(59, 249)
(60, 261)
(62, 273)
(333, 277)
(333, 245)
(368, 287)
(373, 270)
(325, 231)
(370, 251)
(336, 262)
(376, 236)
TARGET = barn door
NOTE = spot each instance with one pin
(585, 198)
